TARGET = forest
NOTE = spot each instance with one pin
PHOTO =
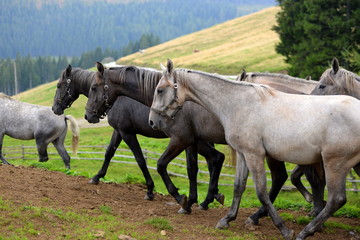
(41, 37)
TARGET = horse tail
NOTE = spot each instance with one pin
(75, 133)
(232, 159)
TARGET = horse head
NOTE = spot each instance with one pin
(168, 100)
(337, 81)
(66, 92)
(98, 100)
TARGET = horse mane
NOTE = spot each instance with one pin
(249, 77)
(261, 89)
(81, 74)
(348, 80)
(147, 78)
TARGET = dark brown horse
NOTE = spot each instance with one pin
(128, 118)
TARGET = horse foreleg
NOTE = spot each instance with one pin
(215, 160)
(174, 148)
(133, 143)
(1, 155)
(316, 177)
(241, 176)
(192, 170)
(296, 181)
(59, 145)
(278, 176)
(257, 168)
(110, 151)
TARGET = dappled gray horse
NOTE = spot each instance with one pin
(259, 121)
(27, 121)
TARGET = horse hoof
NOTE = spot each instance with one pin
(249, 221)
(222, 224)
(183, 201)
(220, 198)
(95, 182)
(183, 211)
(290, 236)
(203, 208)
(149, 197)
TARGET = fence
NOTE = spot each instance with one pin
(177, 167)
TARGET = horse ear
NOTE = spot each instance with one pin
(100, 67)
(335, 65)
(163, 68)
(243, 75)
(170, 66)
(308, 77)
(68, 71)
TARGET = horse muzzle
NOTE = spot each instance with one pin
(92, 118)
(156, 121)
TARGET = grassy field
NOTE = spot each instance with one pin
(246, 42)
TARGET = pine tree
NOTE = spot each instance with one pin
(312, 32)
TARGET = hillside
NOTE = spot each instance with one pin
(225, 48)
(245, 42)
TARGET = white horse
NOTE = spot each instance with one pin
(260, 121)
(27, 121)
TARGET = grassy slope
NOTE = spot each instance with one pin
(246, 42)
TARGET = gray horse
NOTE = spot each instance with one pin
(27, 121)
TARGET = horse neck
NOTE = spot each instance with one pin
(301, 85)
(211, 93)
(138, 85)
(83, 80)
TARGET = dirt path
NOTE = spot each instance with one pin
(24, 185)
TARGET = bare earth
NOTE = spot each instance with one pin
(24, 185)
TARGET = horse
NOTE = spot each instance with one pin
(313, 173)
(260, 121)
(128, 118)
(339, 81)
(27, 121)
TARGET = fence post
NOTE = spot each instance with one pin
(22, 152)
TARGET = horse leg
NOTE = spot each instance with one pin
(278, 176)
(296, 181)
(192, 170)
(110, 151)
(336, 183)
(133, 143)
(1, 155)
(257, 168)
(215, 160)
(174, 148)
(357, 169)
(241, 175)
(59, 145)
(42, 149)
(316, 177)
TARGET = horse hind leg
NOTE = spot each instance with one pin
(215, 160)
(296, 181)
(133, 143)
(335, 181)
(42, 150)
(59, 145)
(109, 154)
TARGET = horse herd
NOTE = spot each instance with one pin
(260, 115)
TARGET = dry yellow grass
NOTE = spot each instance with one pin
(246, 42)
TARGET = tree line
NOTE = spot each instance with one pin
(312, 33)
(72, 27)
(33, 71)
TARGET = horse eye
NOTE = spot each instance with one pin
(58, 85)
(160, 91)
(322, 86)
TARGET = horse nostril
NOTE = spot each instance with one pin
(151, 123)
(85, 117)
